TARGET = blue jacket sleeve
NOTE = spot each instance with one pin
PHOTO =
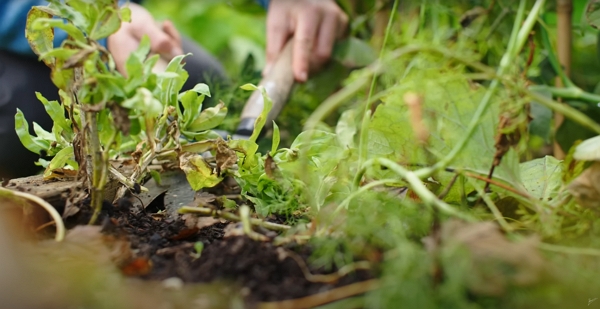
(263, 3)
(13, 17)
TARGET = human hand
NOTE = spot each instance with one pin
(164, 38)
(315, 26)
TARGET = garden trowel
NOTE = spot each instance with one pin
(278, 83)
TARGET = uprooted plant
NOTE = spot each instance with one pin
(104, 115)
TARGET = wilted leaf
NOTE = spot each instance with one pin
(41, 41)
(198, 173)
(586, 187)
(225, 157)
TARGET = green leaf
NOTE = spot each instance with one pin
(227, 203)
(262, 119)
(346, 128)
(56, 113)
(354, 52)
(22, 128)
(59, 161)
(171, 85)
(41, 24)
(276, 139)
(542, 177)
(109, 23)
(144, 101)
(209, 118)
(191, 102)
(592, 13)
(198, 173)
(41, 41)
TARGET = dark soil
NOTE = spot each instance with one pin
(164, 248)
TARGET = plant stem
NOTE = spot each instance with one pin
(98, 166)
(366, 112)
(203, 211)
(492, 206)
(565, 110)
(572, 92)
(60, 226)
(414, 181)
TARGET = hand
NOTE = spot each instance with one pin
(164, 38)
(315, 25)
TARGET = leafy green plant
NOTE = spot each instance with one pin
(105, 115)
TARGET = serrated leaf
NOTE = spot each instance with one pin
(198, 173)
(542, 178)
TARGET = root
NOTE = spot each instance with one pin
(60, 226)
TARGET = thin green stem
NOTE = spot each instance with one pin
(366, 111)
(573, 92)
(566, 110)
(414, 181)
(98, 167)
(569, 250)
(492, 206)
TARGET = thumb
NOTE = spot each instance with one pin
(161, 43)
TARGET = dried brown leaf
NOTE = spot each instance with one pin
(586, 187)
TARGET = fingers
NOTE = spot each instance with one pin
(161, 42)
(305, 35)
(171, 31)
(326, 39)
(278, 32)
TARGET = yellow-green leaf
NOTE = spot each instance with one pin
(198, 173)
(41, 41)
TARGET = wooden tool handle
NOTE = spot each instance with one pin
(278, 83)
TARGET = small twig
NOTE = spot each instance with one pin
(203, 211)
(442, 195)
(569, 250)
(498, 184)
(329, 278)
(325, 297)
(60, 226)
(45, 225)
